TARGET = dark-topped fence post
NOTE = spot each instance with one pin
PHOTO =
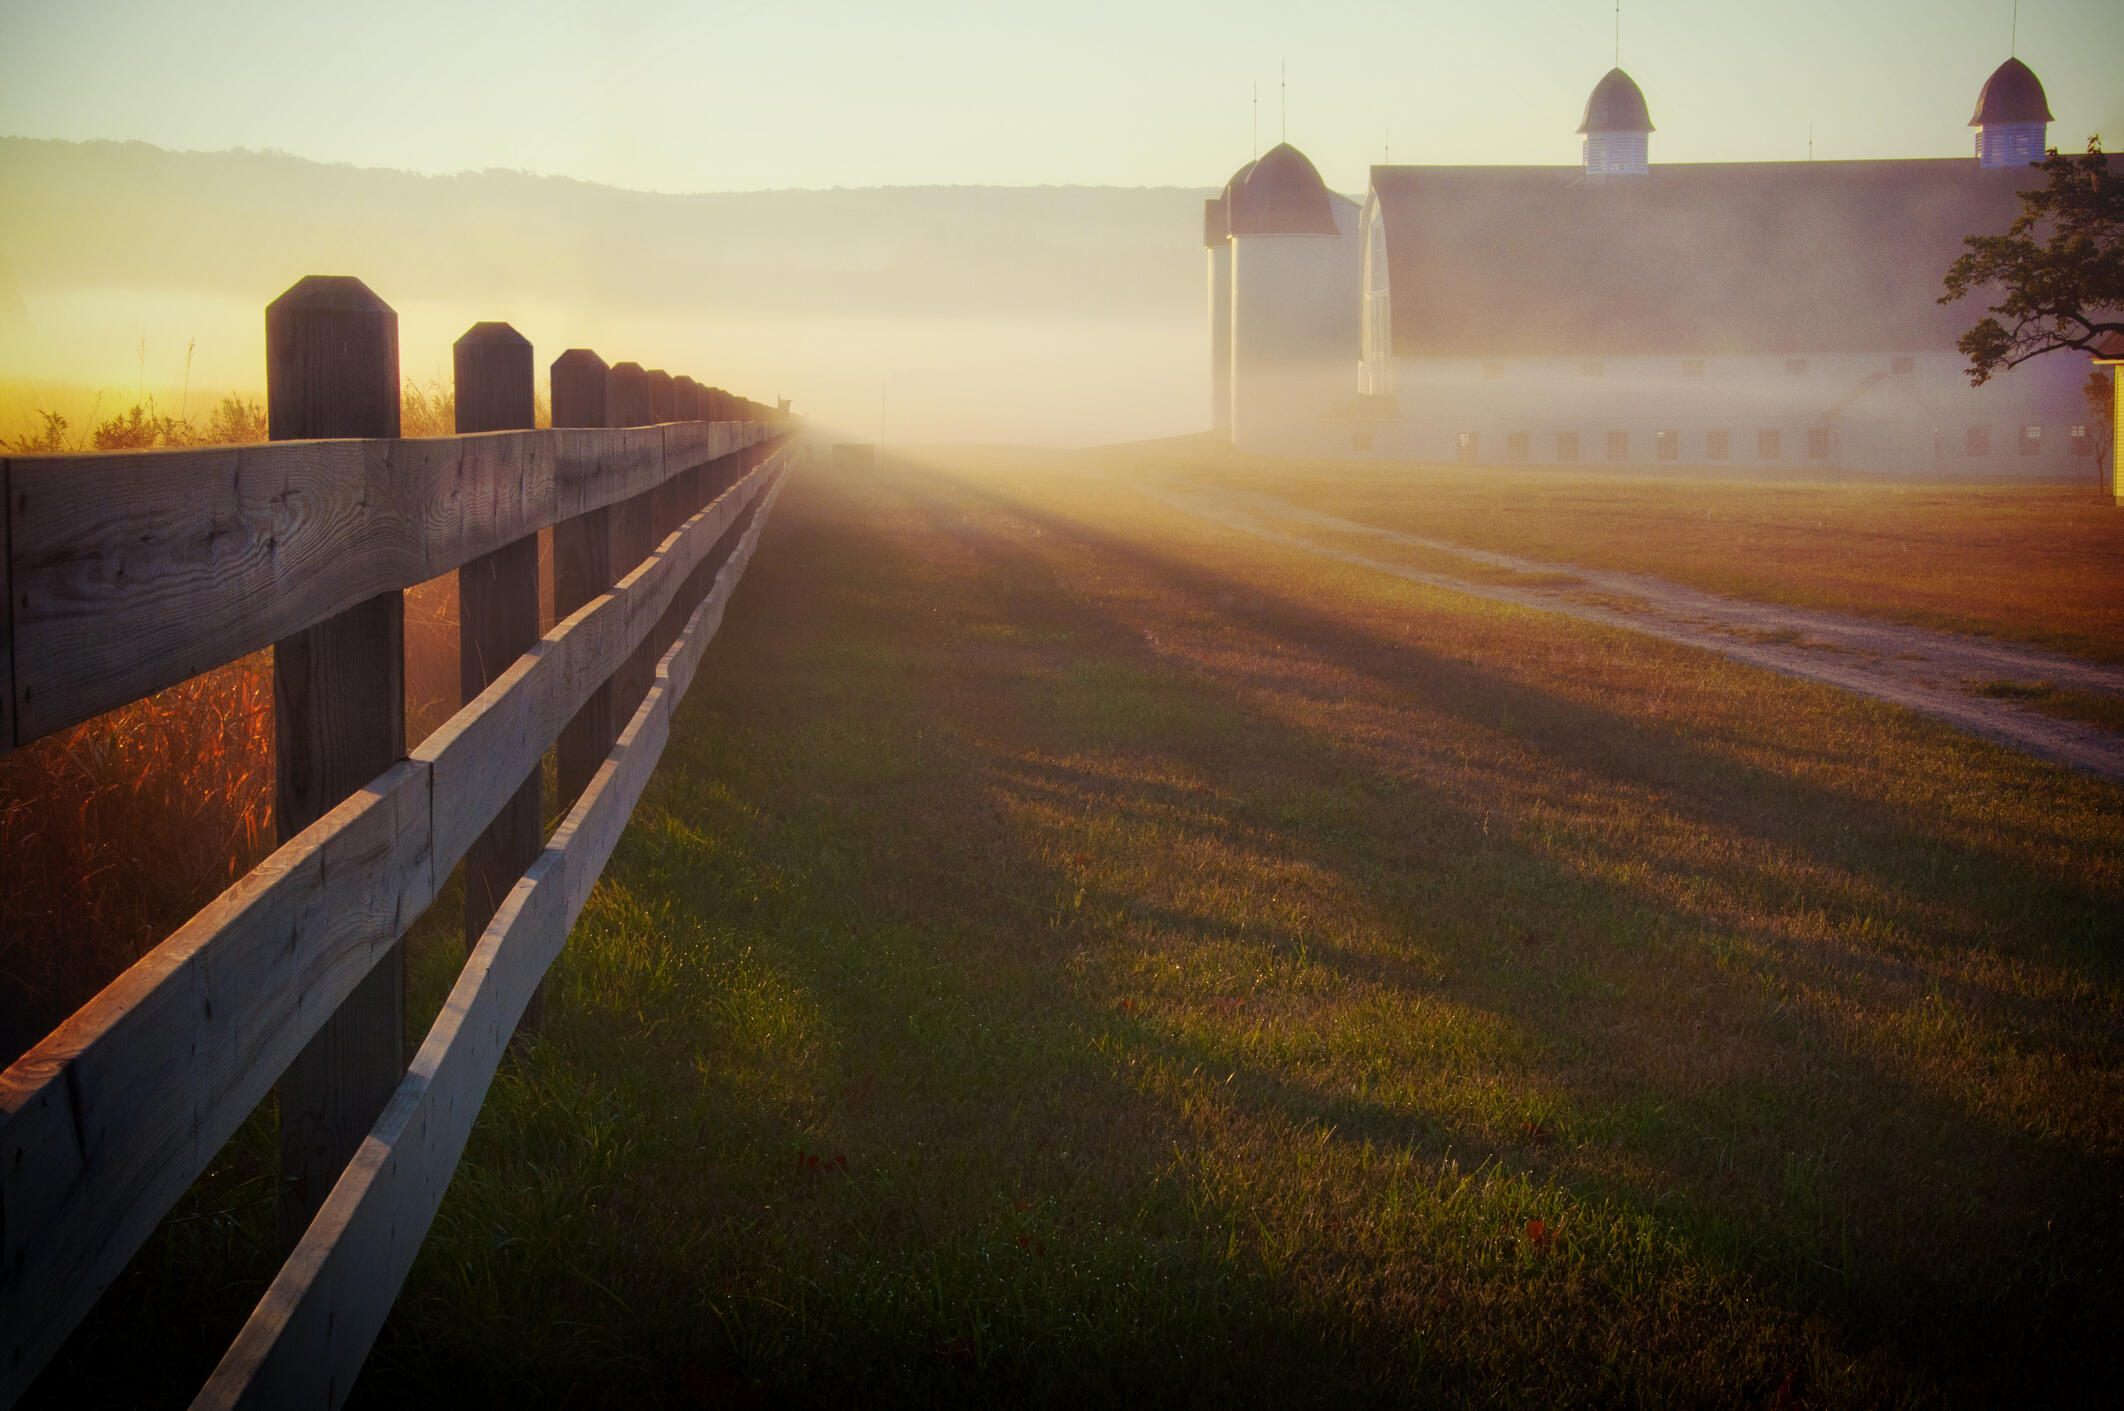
(497, 617)
(339, 720)
(627, 396)
(664, 515)
(582, 569)
(634, 536)
(693, 489)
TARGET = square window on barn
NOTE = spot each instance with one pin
(1903, 366)
(1592, 367)
(1515, 445)
(2081, 445)
(1567, 445)
(1470, 447)
(1817, 443)
(1692, 367)
(1618, 445)
(1977, 441)
(1795, 367)
(2031, 440)
(1667, 445)
(1493, 370)
(1360, 440)
(1769, 445)
(1717, 445)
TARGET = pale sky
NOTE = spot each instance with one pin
(762, 94)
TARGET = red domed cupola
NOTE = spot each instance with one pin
(1616, 127)
(2012, 117)
(1281, 193)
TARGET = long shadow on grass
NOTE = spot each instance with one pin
(1681, 1112)
(831, 936)
(2062, 920)
(1872, 852)
(816, 1119)
(1798, 817)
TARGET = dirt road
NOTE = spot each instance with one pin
(1937, 673)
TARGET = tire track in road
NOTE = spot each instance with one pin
(1915, 667)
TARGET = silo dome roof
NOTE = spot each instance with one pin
(1616, 105)
(2012, 94)
(1280, 193)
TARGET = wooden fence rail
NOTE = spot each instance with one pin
(129, 572)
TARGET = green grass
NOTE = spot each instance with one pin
(1071, 952)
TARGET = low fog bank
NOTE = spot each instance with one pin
(1048, 315)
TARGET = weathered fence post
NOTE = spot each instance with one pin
(715, 408)
(664, 515)
(686, 399)
(627, 402)
(497, 617)
(339, 721)
(627, 396)
(582, 569)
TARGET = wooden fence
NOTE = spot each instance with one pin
(129, 572)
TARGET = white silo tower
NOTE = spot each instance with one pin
(1217, 246)
(1295, 252)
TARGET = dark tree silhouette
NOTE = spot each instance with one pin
(2060, 266)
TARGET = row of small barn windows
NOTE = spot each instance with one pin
(1694, 367)
(1718, 445)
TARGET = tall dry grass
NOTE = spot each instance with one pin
(234, 420)
(114, 832)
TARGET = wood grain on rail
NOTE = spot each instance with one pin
(306, 1341)
(107, 1121)
(131, 572)
(500, 735)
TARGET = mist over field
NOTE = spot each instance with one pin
(1045, 315)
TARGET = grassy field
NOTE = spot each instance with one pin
(2042, 565)
(1071, 951)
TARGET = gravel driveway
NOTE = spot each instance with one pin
(1926, 670)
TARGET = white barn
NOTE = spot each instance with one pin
(1764, 315)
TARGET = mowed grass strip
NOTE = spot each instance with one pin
(1071, 951)
(2038, 564)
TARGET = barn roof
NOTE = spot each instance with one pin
(1789, 257)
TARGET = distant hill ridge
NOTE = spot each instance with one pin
(129, 214)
